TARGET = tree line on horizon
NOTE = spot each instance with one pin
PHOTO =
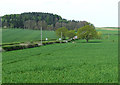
(36, 20)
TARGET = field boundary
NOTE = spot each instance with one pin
(11, 47)
(110, 29)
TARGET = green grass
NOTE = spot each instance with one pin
(79, 62)
(20, 35)
(108, 31)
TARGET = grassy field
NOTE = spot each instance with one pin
(79, 62)
(20, 35)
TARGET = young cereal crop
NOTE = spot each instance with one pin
(78, 62)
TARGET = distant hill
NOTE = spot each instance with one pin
(34, 20)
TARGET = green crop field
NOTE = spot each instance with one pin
(108, 31)
(78, 62)
(20, 35)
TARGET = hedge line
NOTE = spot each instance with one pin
(18, 47)
(3, 44)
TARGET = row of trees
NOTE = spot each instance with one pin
(34, 20)
(86, 32)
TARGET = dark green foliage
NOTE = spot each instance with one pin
(36, 20)
(13, 47)
(32, 45)
(48, 42)
(18, 47)
(18, 20)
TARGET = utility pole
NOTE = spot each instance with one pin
(41, 35)
(0, 22)
(61, 37)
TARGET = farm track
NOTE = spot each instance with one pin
(110, 29)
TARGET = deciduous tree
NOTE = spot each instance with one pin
(62, 30)
(70, 33)
(87, 32)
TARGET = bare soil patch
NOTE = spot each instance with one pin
(109, 29)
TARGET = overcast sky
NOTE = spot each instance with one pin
(99, 12)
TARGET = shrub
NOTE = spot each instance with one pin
(99, 35)
(18, 47)
(13, 47)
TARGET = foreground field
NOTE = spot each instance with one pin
(20, 35)
(77, 62)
